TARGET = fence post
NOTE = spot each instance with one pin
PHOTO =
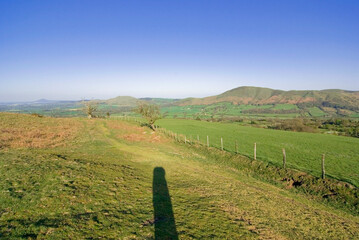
(255, 151)
(207, 141)
(284, 158)
(197, 138)
(323, 169)
(236, 146)
(222, 144)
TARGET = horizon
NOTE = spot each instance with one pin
(90, 99)
(99, 50)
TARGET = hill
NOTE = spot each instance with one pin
(123, 101)
(262, 96)
(116, 180)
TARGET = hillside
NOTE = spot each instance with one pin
(262, 96)
(255, 102)
(116, 180)
(160, 101)
(122, 101)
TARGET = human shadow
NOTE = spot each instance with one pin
(165, 226)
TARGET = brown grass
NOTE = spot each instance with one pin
(26, 131)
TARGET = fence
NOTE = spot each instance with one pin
(188, 140)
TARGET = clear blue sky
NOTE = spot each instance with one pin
(71, 49)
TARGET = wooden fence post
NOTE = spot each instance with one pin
(284, 158)
(222, 144)
(207, 141)
(236, 146)
(197, 138)
(255, 151)
(323, 168)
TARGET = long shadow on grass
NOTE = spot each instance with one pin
(165, 226)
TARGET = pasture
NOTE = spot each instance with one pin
(227, 109)
(110, 179)
(303, 150)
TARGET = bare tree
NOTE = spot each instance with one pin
(90, 108)
(150, 112)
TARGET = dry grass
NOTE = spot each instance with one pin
(27, 131)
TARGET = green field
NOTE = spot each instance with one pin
(226, 109)
(304, 150)
(285, 106)
(316, 112)
(110, 179)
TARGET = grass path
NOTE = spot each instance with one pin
(101, 186)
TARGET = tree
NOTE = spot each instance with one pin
(90, 108)
(150, 112)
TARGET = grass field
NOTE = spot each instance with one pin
(316, 112)
(303, 150)
(226, 109)
(116, 180)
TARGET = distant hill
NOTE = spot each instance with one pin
(261, 96)
(128, 101)
(43, 100)
(123, 101)
(160, 101)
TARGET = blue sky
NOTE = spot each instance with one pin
(72, 49)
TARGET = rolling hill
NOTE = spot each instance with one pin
(262, 96)
(124, 101)
(266, 102)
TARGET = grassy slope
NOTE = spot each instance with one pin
(253, 96)
(257, 95)
(100, 185)
(303, 150)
